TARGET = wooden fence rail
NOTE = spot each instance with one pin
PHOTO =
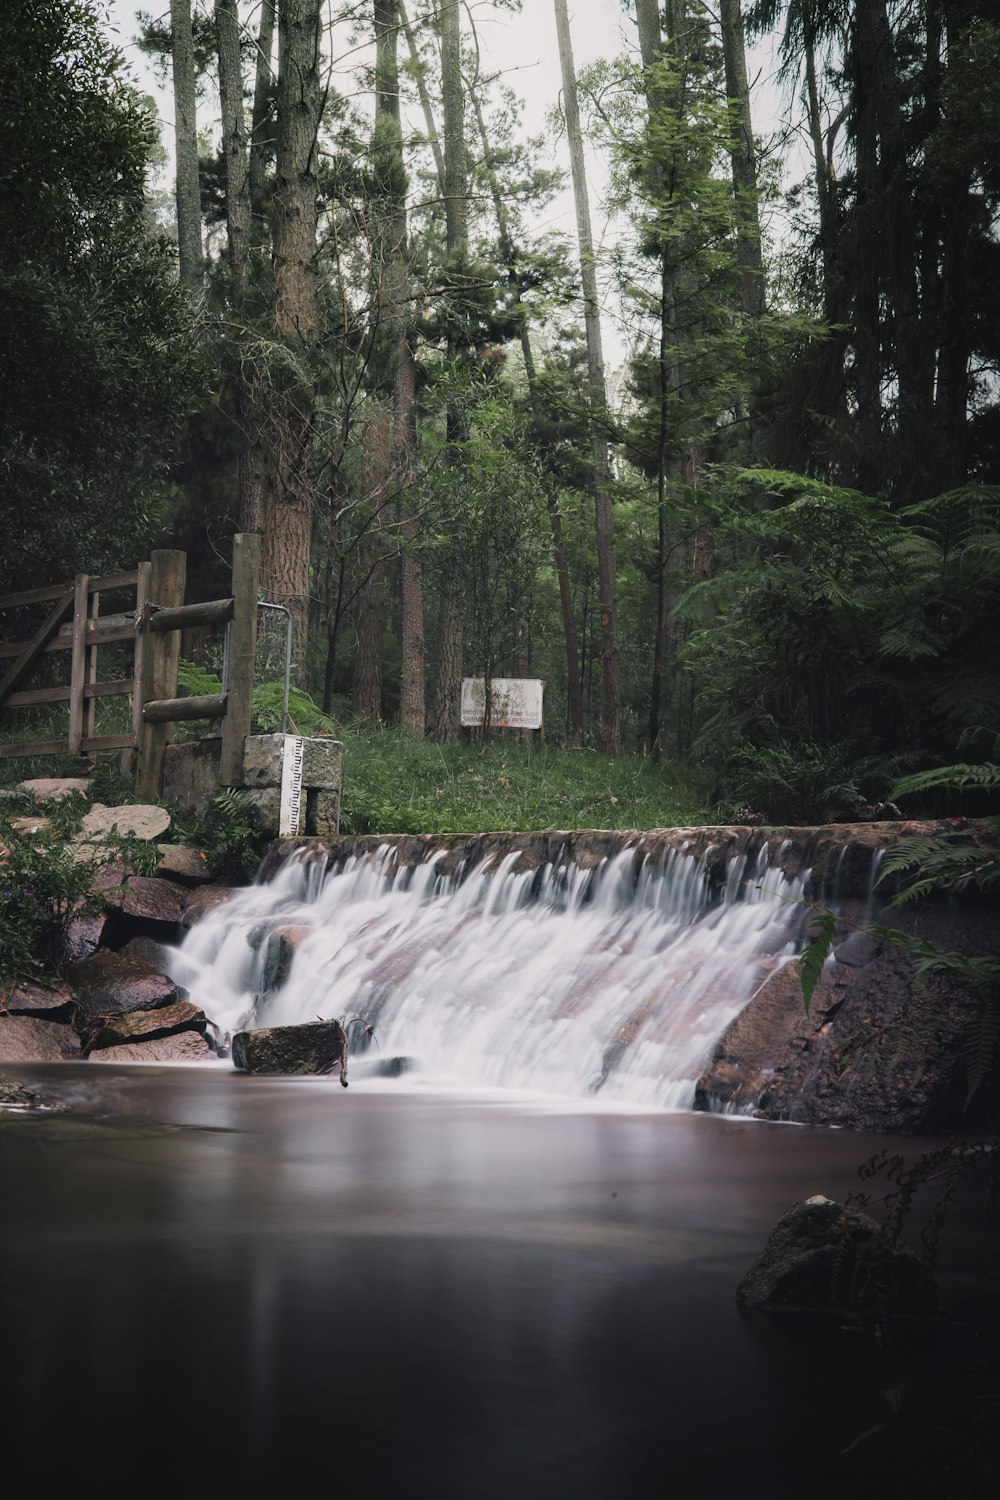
(75, 624)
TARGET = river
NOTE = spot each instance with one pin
(212, 1282)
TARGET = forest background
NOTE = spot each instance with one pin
(765, 548)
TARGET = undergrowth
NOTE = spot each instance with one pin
(395, 784)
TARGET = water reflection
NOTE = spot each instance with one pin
(274, 1285)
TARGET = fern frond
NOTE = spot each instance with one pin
(982, 1049)
(955, 778)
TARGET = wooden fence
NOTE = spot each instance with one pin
(75, 624)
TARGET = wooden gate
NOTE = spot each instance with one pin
(75, 624)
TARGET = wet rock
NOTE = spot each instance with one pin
(858, 949)
(152, 900)
(31, 1039)
(81, 937)
(138, 821)
(278, 945)
(149, 951)
(13, 1093)
(111, 984)
(884, 1048)
(180, 1046)
(199, 903)
(182, 862)
(756, 1049)
(52, 1001)
(825, 1257)
(141, 1026)
(55, 788)
(313, 1048)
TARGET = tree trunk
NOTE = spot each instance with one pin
(424, 96)
(659, 100)
(234, 141)
(574, 687)
(263, 123)
(604, 520)
(236, 156)
(446, 721)
(867, 321)
(190, 254)
(288, 530)
(398, 311)
(744, 160)
(448, 681)
(370, 609)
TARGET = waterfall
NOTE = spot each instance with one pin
(614, 980)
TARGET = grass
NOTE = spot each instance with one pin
(394, 784)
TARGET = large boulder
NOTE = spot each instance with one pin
(316, 1047)
(111, 984)
(278, 945)
(142, 1026)
(136, 821)
(884, 1047)
(149, 899)
(183, 862)
(80, 937)
(825, 1257)
(199, 903)
(55, 788)
(34, 1039)
(150, 951)
(179, 1046)
(52, 1001)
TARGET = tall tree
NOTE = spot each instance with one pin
(289, 510)
(509, 258)
(189, 244)
(598, 399)
(448, 681)
(744, 159)
(399, 313)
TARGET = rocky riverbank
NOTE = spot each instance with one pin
(885, 1046)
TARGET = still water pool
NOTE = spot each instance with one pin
(217, 1284)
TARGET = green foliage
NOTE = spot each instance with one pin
(803, 782)
(814, 955)
(304, 717)
(41, 884)
(841, 634)
(395, 784)
(227, 831)
(99, 349)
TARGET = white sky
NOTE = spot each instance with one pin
(524, 47)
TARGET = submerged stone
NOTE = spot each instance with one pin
(825, 1257)
(317, 1047)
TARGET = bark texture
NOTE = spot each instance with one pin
(604, 519)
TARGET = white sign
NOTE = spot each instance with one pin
(515, 702)
(290, 804)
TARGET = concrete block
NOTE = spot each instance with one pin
(322, 762)
(262, 759)
(267, 801)
(322, 814)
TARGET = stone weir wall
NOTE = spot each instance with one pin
(883, 1048)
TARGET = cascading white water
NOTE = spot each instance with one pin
(558, 979)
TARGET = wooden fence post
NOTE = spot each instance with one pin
(160, 655)
(242, 646)
(78, 664)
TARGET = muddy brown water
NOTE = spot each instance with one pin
(215, 1284)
